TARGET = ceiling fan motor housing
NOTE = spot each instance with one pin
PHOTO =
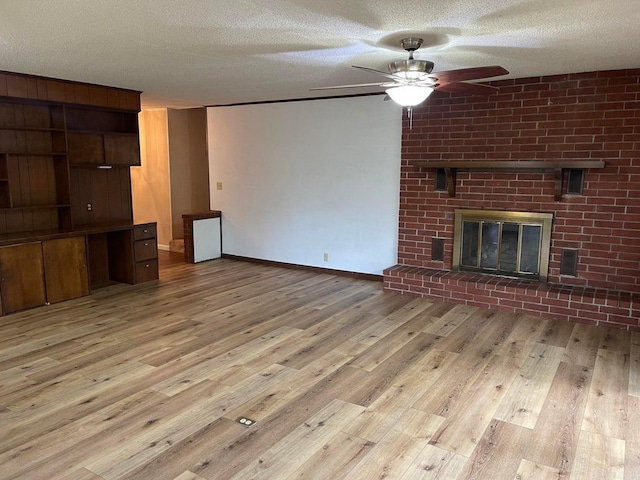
(411, 69)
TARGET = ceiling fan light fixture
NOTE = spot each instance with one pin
(409, 95)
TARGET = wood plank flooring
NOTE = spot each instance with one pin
(343, 381)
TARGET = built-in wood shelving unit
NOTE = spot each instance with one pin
(451, 167)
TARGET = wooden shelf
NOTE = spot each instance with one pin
(34, 129)
(556, 166)
(35, 207)
(36, 154)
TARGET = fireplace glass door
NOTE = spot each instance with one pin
(507, 248)
(503, 243)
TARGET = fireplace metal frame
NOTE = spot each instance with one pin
(544, 220)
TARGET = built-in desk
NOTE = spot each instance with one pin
(53, 266)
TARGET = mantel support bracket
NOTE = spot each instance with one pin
(451, 181)
(451, 167)
(557, 191)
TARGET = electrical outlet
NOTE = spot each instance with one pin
(218, 185)
(89, 207)
(326, 257)
(247, 422)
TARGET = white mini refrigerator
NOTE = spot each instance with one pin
(207, 239)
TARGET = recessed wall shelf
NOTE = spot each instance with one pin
(451, 167)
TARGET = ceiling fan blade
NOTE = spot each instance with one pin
(353, 85)
(474, 73)
(466, 88)
(373, 70)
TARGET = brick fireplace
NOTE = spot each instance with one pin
(574, 119)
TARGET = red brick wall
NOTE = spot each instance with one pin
(588, 116)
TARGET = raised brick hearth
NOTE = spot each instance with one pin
(588, 116)
(563, 302)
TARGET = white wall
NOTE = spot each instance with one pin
(301, 179)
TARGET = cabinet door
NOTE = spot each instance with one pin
(85, 148)
(22, 277)
(65, 268)
(121, 149)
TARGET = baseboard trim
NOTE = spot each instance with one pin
(330, 271)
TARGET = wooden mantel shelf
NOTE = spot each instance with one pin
(556, 166)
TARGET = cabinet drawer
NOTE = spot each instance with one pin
(144, 231)
(145, 249)
(146, 271)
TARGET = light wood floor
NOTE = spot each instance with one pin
(344, 382)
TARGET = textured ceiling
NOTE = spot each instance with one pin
(211, 52)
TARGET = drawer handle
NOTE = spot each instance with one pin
(145, 230)
(147, 265)
(146, 244)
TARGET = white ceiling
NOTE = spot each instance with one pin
(210, 52)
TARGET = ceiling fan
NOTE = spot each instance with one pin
(411, 81)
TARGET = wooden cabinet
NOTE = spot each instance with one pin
(66, 216)
(120, 149)
(145, 253)
(33, 274)
(65, 268)
(102, 137)
(127, 255)
(21, 277)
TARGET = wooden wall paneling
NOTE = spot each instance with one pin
(75, 196)
(121, 149)
(32, 88)
(82, 93)
(19, 115)
(61, 180)
(119, 194)
(133, 101)
(65, 220)
(5, 192)
(35, 142)
(56, 91)
(65, 268)
(31, 116)
(41, 219)
(113, 98)
(125, 195)
(100, 197)
(15, 221)
(6, 115)
(27, 221)
(59, 142)
(3, 85)
(81, 189)
(42, 89)
(15, 181)
(98, 96)
(56, 117)
(22, 145)
(39, 183)
(121, 261)
(17, 86)
(98, 260)
(8, 141)
(21, 277)
(69, 93)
